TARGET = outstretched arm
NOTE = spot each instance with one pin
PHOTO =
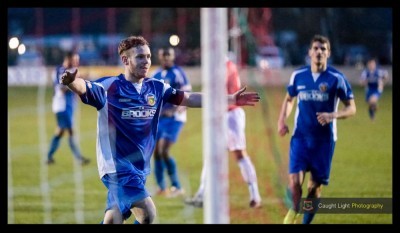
(181, 108)
(239, 98)
(348, 111)
(286, 109)
(74, 83)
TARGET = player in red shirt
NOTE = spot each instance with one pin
(236, 145)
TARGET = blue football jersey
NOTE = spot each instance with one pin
(127, 122)
(373, 78)
(321, 95)
(177, 79)
(63, 101)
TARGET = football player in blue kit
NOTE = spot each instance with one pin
(63, 107)
(129, 107)
(373, 78)
(172, 120)
(318, 88)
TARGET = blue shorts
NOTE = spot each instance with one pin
(169, 128)
(64, 120)
(124, 190)
(370, 93)
(311, 155)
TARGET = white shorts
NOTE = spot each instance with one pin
(236, 129)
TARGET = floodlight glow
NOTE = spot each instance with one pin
(21, 49)
(13, 43)
(174, 40)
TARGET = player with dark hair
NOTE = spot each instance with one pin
(318, 88)
(63, 106)
(129, 107)
(172, 120)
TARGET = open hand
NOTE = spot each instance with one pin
(246, 98)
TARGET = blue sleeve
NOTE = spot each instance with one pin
(95, 95)
(291, 88)
(344, 90)
(156, 74)
(59, 71)
(185, 78)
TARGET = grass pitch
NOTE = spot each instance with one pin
(362, 164)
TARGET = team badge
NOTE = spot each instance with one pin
(151, 99)
(323, 87)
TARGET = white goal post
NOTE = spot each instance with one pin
(214, 47)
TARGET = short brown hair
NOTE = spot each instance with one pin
(132, 41)
(321, 39)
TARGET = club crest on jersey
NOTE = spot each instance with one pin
(151, 99)
(323, 87)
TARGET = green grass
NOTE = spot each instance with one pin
(362, 164)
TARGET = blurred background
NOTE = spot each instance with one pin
(279, 35)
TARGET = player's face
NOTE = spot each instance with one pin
(139, 61)
(319, 53)
(75, 60)
(166, 58)
(371, 65)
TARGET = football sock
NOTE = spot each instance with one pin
(371, 113)
(200, 191)
(249, 175)
(55, 142)
(159, 167)
(309, 216)
(136, 222)
(172, 172)
(74, 148)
